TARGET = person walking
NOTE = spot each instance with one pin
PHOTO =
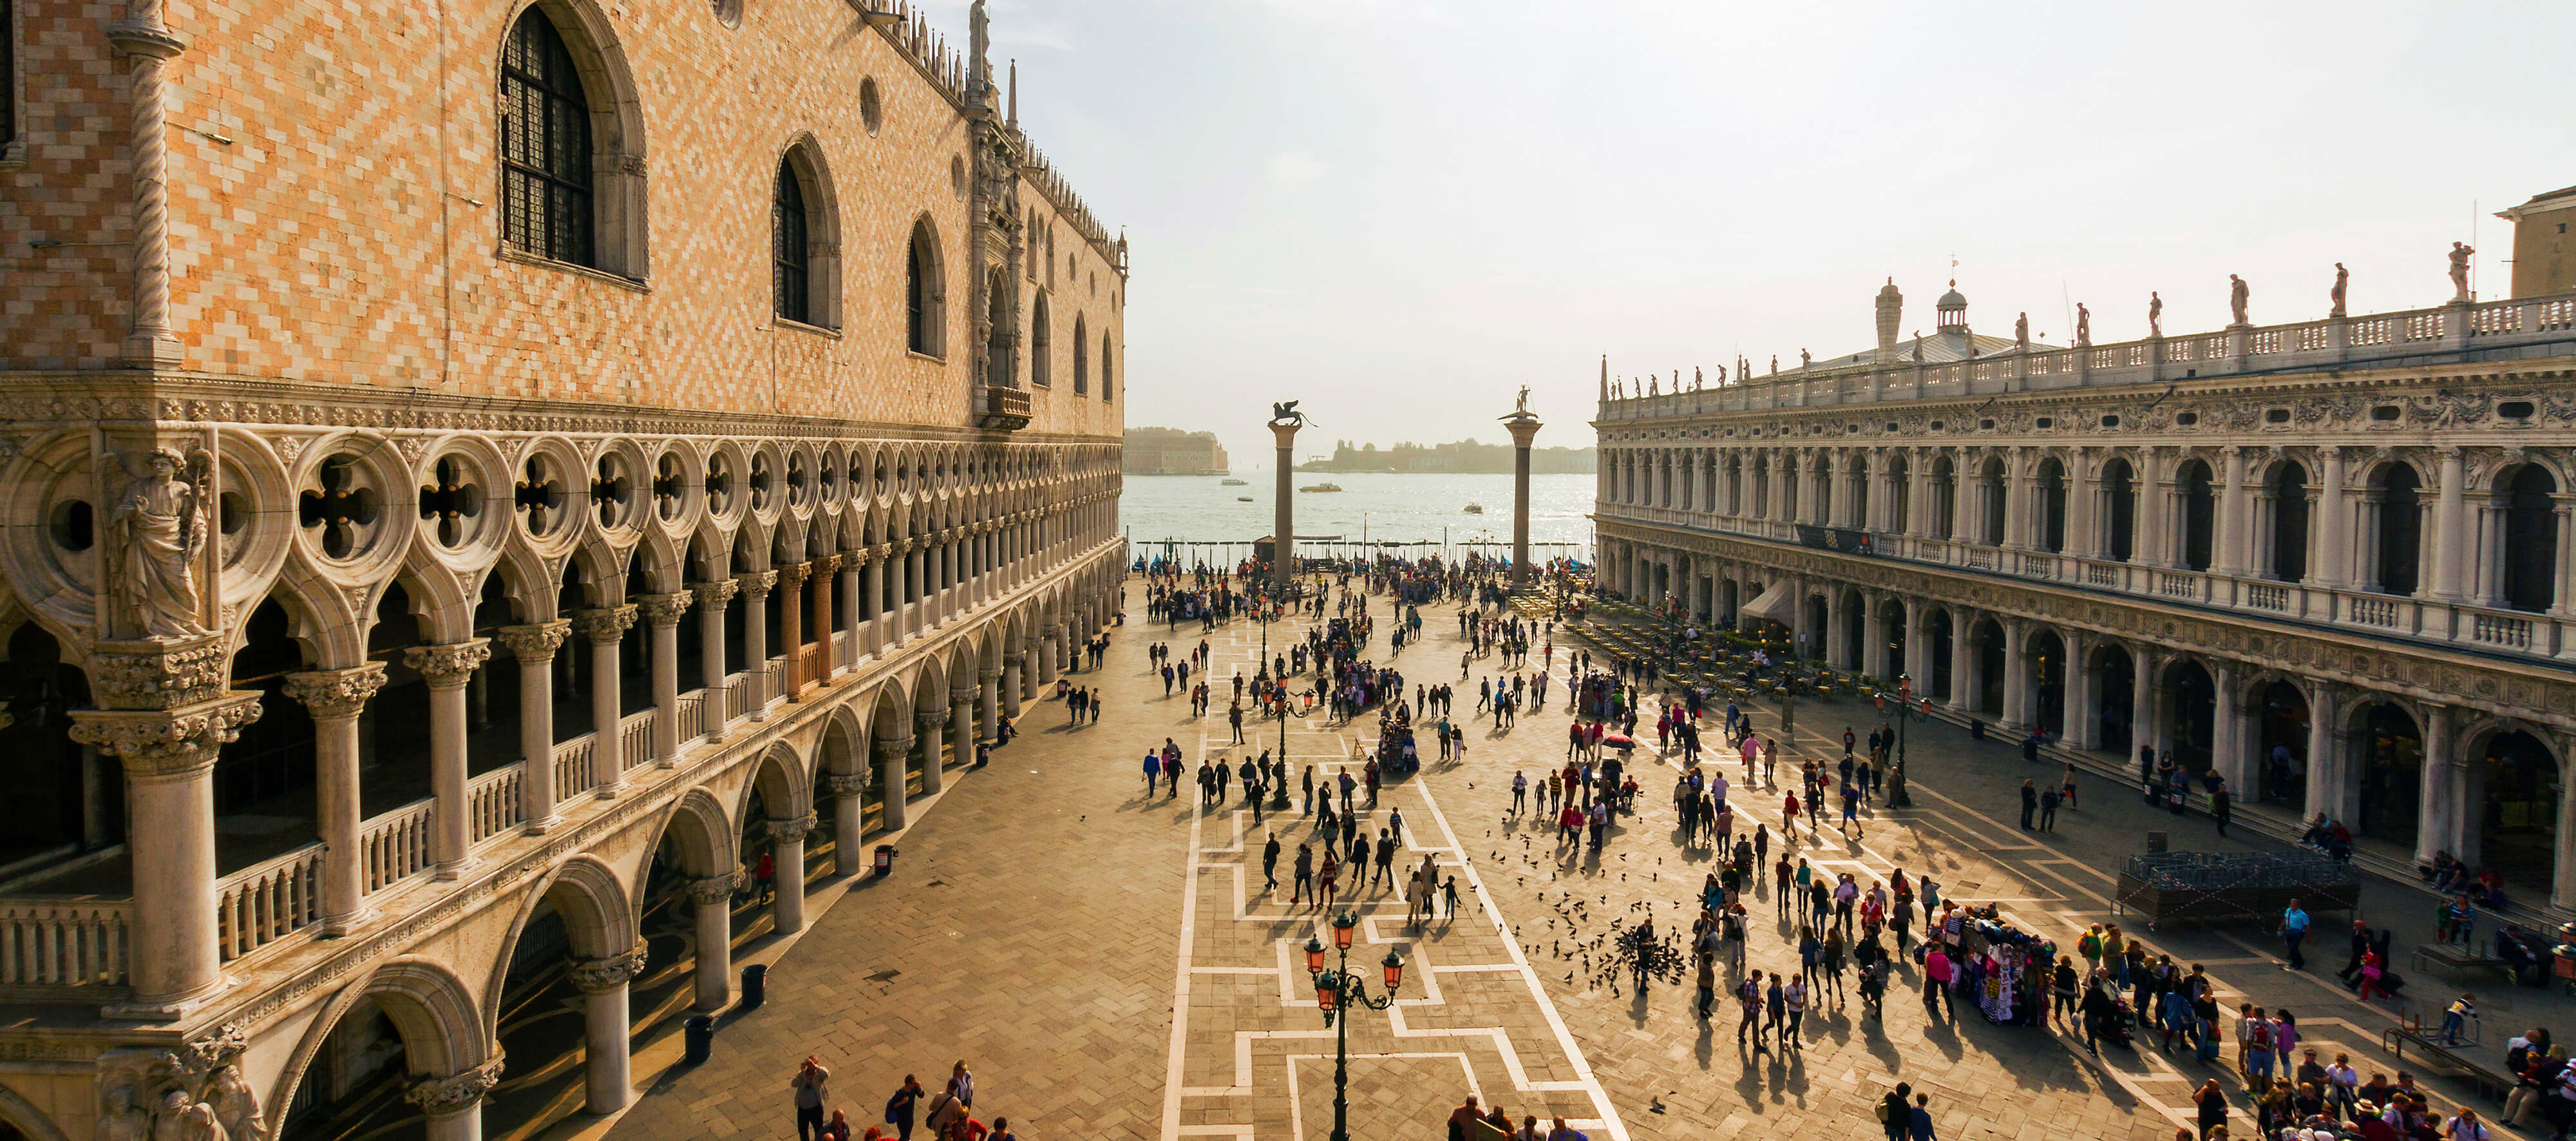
(1748, 995)
(2210, 1108)
(1918, 1126)
(2222, 805)
(810, 1086)
(1269, 861)
(2029, 803)
(2294, 931)
(1936, 982)
(2048, 809)
(1303, 883)
(898, 1109)
(1896, 1111)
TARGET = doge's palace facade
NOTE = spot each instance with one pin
(477, 477)
(2329, 560)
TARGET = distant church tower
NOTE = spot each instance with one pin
(1891, 310)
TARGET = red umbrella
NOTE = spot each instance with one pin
(1619, 741)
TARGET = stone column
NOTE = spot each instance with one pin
(962, 738)
(1963, 660)
(1918, 647)
(534, 646)
(2083, 726)
(711, 902)
(2142, 702)
(2332, 568)
(169, 756)
(755, 642)
(927, 725)
(2232, 515)
(1283, 511)
(2325, 778)
(791, 625)
(852, 583)
(712, 597)
(825, 663)
(916, 565)
(1013, 674)
(2435, 786)
(149, 48)
(2226, 750)
(873, 589)
(849, 826)
(453, 1105)
(1524, 428)
(604, 628)
(335, 698)
(787, 851)
(1873, 640)
(891, 785)
(989, 704)
(608, 1085)
(2017, 712)
(446, 670)
(661, 613)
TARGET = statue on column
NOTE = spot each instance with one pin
(1285, 412)
(1803, 359)
(2342, 275)
(2237, 294)
(1775, 364)
(2155, 314)
(160, 524)
(1698, 381)
(1521, 406)
(2460, 255)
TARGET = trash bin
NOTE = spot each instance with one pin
(1976, 729)
(885, 859)
(755, 980)
(700, 1033)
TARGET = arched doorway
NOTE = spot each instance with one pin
(2120, 510)
(413, 1019)
(2194, 713)
(1936, 628)
(2281, 714)
(2516, 786)
(2114, 700)
(2199, 509)
(2048, 682)
(2391, 786)
(1991, 649)
(1811, 633)
(2530, 539)
(1892, 627)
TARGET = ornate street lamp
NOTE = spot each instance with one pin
(1337, 991)
(1908, 708)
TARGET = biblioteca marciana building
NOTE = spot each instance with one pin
(477, 478)
(2329, 559)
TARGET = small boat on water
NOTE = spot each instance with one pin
(1322, 487)
(1233, 483)
(1475, 509)
(1243, 499)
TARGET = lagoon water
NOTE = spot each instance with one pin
(1383, 507)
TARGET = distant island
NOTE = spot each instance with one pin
(1171, 451)
(1465, 456)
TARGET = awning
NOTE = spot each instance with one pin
(1777, 604)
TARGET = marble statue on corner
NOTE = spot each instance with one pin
(2460, 255)
(1803, 359)
(2021, 331)
(2237, 295)
(159, 525)
(2083, 324)
(2155, 314)
(2342, 276)
(1698, 380)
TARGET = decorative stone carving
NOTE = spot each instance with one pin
(716, 593)
(158, 528)
(715, 889)
(757, 584)
(793, 828)
(605, 625)
(157, 675)
(893, 748)
(846, 784)
(333, 695)
(792, 574)
(449, 664)
(193, 1093)
(664, 609)
(598, 976)
(455, 1093)
(172, 742)
(538, 642)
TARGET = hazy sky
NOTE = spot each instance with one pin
(1399, 211)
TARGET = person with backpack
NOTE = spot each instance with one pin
(898, 1109)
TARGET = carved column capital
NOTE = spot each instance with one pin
(455, 1093)
(537, 642)
(793, 575)
(335, 695)
(893, 748)
(826, 564)
(167, 743)
(793, 828)
(449, 665)
(715, 889)
(598, 976)
(930, 720)
(846, 784)
(158, 674)
(756, 585)
(605, 625)
(664, 609)
(716, 593)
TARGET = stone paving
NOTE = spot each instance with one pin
(1047, 919)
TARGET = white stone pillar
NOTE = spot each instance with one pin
(927, 725)
(712, 597)
(2332, 568)
(534, 647)
(2083, 724)
(711, 902)
(1012, 677)
(605, 628)
(2226, 751)
(892, 788)
(661, 614)
(787, 852)
(1963, 662)
(852, 578)
(1051, 639)
(2017, 665)
(962, 738)
(2449, 537)
(453, 1105)
(874, 590)
(2153, 544)
(989, 704)
(1873, 641)
(2142, 702)
(755, 641)
(2325, 776)
(608, 1082)
(446, 670)
(335, 698)
(849, 825)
